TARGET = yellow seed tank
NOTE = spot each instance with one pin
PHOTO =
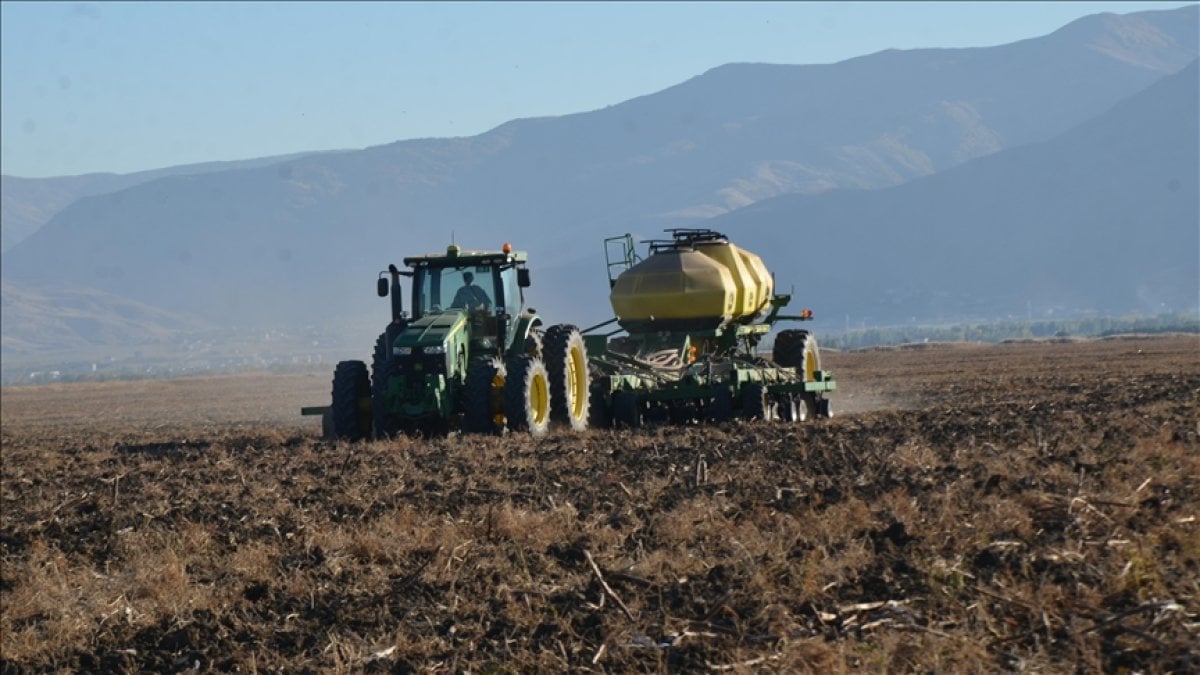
(696, 281)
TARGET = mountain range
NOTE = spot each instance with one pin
(1052, 174)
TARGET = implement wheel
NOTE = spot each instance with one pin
(567, 364)
(793, 408)
(527, 396)
(599, 414)
(824, 408)
(797, 349)
(627, 410)
(720, 408)
(483, 396)
(351, 409)
(757, 404)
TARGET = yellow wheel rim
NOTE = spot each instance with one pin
(576, 383)
(539, 398)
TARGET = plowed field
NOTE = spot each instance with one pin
(970, 508)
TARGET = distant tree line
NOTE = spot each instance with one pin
(1176, 322)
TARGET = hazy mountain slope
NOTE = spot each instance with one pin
(743, 132)
(28, 203)
(303, 239)
(72, 318)
(1105, 217)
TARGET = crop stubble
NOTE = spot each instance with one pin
(1018, 506)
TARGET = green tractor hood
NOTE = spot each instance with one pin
(432, 330)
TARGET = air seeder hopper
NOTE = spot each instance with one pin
(689, 319)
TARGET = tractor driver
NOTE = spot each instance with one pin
(471, 296)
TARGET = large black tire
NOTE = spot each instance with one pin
(527, 396)
(757, 403)
(626, 409)
(351, 409)
(566, 360)
(483, 396)
(789, 348)
(383, 366)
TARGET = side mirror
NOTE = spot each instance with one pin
(381, 287)
(523, 277)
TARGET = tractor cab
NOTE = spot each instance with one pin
(485, 286)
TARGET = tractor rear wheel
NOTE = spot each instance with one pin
(527, 396)
(483, 402)
(351, 409)
(567, 365)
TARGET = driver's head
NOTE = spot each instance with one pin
(468, 278)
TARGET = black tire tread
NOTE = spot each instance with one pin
(350, 383)
(477, 395)
(754, 402)
(556, 350)
(382, 367)
(625, 409)
(521, 370)
(791, 347)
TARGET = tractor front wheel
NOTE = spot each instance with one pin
(383, 366)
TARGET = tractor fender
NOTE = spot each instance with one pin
(526, 324)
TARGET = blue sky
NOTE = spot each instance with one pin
(124, 87)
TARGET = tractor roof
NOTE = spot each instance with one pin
(457, 257)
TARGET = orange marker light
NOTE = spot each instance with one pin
(507, 248)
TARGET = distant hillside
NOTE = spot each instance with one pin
(28, 203)
(1103, 218)
(302, 240)
(61, 318)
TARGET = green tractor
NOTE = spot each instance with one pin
(471, 357)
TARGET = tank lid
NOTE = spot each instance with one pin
(685, 238)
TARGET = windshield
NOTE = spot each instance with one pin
(466, 287)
